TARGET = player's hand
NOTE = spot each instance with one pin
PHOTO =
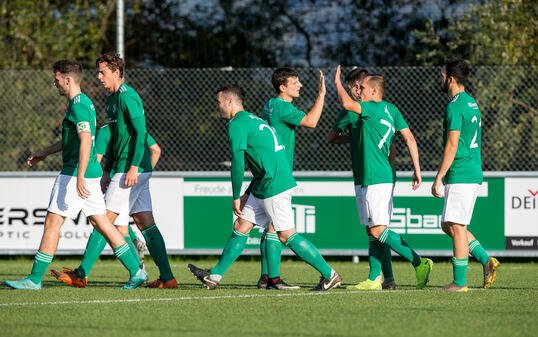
(105, 181)
(35, 158)
(337, 75)
(82, 191)
(243, 200)
(236, 206)
(435, 187)
(321, 84)
(131, 177)
(417, 180)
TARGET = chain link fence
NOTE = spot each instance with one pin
(180, 107)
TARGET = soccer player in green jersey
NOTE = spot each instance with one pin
(461, 172)
(96, 243)
(379, 253)
(252, 138)
(379, 122)
(284, 117)
(77, 187)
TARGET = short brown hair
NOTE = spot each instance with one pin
(113, 62)
(234, 90)
(280, 77)
(378, 81)
(69, 67)
(356, 75)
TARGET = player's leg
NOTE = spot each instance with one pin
(122, 224)
(157, 249)
(376, 254)
(139, 245)
(461, 257)
(378, 204)
(280, 212)
(233, 249)
(44, 255)
(264, 276)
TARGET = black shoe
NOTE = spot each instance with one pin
(328, 283)
(262, 282)
(203, 276)
(281, 285)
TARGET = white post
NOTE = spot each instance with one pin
(119, 29)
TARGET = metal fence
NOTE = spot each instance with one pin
(180, 106)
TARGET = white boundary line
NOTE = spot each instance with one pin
(189, 298)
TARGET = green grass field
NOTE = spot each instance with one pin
(238, 308)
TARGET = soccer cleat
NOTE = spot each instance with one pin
(423, 271)
(24, 284)
(262, 282)
(453, 287)
(490, 271)
(172, 284)
(281, 285)
(367, 285)
(389, 284)
(136, 281)
(68, 276)
(326, 284)
(203, 276)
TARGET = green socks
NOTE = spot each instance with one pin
(235, 245)
(398, 244)
(94, 248)
(41, 263)
(306, 251)
(386, 265)
(127, 259)
(376, 253)
(273, 252)
(263, 256)
(132, 233)
(476, 250)
(132, 247)
(157, 250)
(459, 267)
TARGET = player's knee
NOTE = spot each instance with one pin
(445, 226)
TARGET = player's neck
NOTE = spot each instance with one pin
(455, 90)
(73, 92)
(285, 97)
(116, 86)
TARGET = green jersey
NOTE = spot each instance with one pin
(128, 134)
(251, 137)
(79, 116)
(284, 118)
(380, 121)
(103, 138)
(348, 120)
(462, 114)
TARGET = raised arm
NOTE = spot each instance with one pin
(347, 102)
(413, 151)
(312, 117)
(449, 153)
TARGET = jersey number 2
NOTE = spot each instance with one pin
(474, 144)
(277, 147)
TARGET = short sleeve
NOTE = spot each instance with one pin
(366, 112)
(130, 105)
(80, 116)
(290, 114)
(453, 118)
(102, 139)
(342, 122)
(151, 141)
(399, 121)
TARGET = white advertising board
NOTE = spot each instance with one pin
(23, 207)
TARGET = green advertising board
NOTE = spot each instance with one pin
(326, 213)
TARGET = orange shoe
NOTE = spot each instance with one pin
(69, 276)
(172, 284)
